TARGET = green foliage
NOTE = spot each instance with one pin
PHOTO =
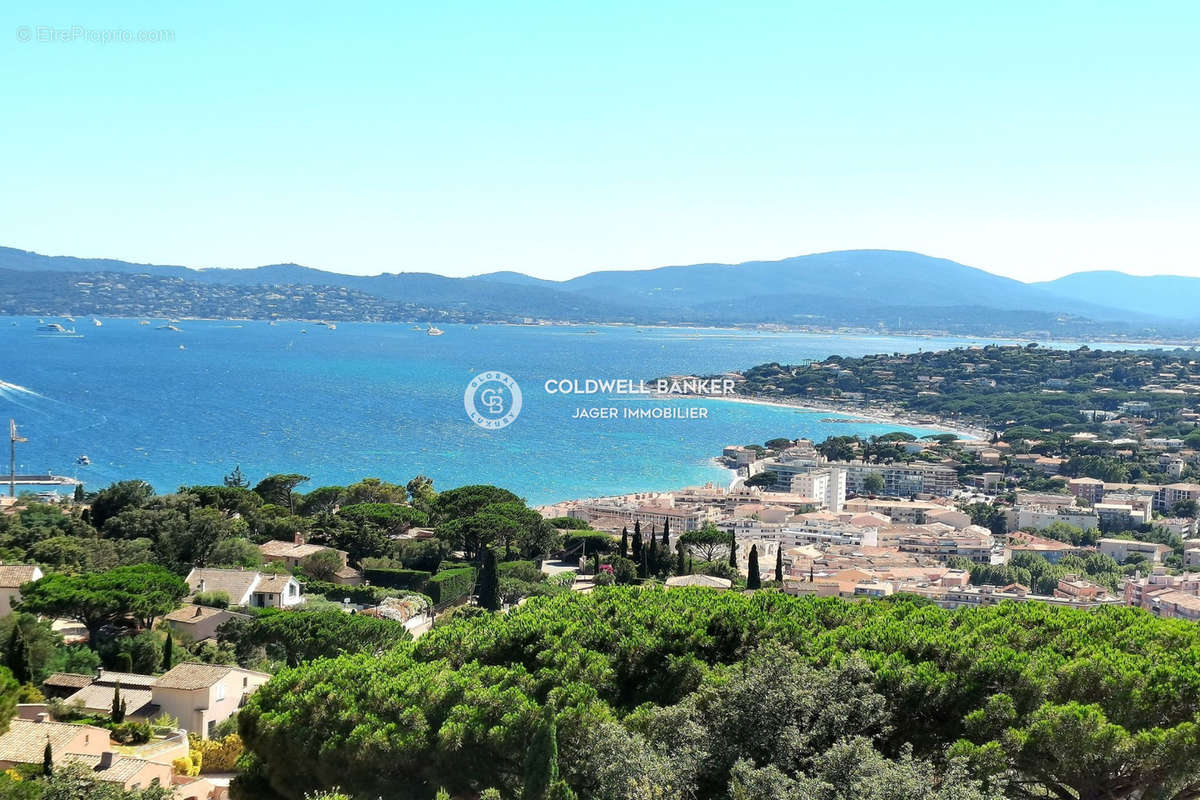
(450, 586)
(568, 523)
(488, 586)
(541, 760)
(140, 593)
(717, 694)
(397, 578)
(280, 489)
(296, 636)
(579, 540)
(213, 599)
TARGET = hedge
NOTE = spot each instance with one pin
(398, 578)
(451, 585)
(363, 595)
(596, 541)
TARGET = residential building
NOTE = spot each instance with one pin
(201, 696)
(192, 623)
(11, 578)
(1050, 549)
(1038, 518)
(825, 484)
(247, 587)
(1121, 549)
(25, 740)
(1090, 490)
(97, 696)
(293, 552)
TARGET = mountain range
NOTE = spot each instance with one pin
(884, 289)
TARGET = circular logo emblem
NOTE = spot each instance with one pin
(492, 400)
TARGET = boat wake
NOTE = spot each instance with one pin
(9, 390)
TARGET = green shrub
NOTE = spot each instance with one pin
(577, 542)
(211, 599)
(398, 578)
(568, 523)
(451, 585)
(131, 732)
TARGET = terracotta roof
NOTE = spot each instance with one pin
(122, 770)
(69, 680)
(273, 583)
(98, 697)
(276, 548)
(13, 575)
(192, 676)
(234, 582)
(191, 613)
(25, 740)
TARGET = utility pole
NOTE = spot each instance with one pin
(13, 438)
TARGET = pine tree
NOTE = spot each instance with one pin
(624, 542)
(168, 656)
(779, 565)
(17, 656)
(48, 759)
(541, 760)
(236, 479)
(488, 586)
(733, 550)
(118, 705)
(753, 579)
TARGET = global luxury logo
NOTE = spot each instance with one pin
(492, 400)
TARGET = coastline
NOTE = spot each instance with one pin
(964, 431)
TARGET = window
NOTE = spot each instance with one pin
(220, 692)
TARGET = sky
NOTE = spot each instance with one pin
(1031, 139)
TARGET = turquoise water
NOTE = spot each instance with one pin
(385, 400)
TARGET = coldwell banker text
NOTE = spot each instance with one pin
(706, 387)
(682, 386)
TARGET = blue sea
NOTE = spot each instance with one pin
(378, 399)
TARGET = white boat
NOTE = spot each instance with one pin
(83, 461)
(434, 331)
(144, 322)
(55, 331)
(331, 326)
(97, 322)
(69, 318)
(168, 328)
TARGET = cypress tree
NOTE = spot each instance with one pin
(595, 563)
(118, 705)
(652, 559)
(810, 573)
(624, 542)
(79, 496)
(48, 759)
(666, 539)
(637, 544)
(541, 760)
(17, 656)
(644, 568)
(779, 565)
(168, 657)
(488, 587)
(733, 550)
(680, 552)
(753, 579)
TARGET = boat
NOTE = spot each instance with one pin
(69, 318)
(433, 331)
(272, 322)
(144, 322)
(56, 331)
(97, 322)
(83, 461)
(168, 327)
(331, 326)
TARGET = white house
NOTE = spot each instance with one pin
(247, 587)
(202, 696)
(11, 578)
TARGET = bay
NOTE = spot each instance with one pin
(379, 399)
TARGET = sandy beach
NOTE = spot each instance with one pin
(958, 428)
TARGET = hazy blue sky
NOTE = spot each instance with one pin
(1028, 138)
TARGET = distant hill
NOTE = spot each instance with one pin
(1155, 295)
(878, 289)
